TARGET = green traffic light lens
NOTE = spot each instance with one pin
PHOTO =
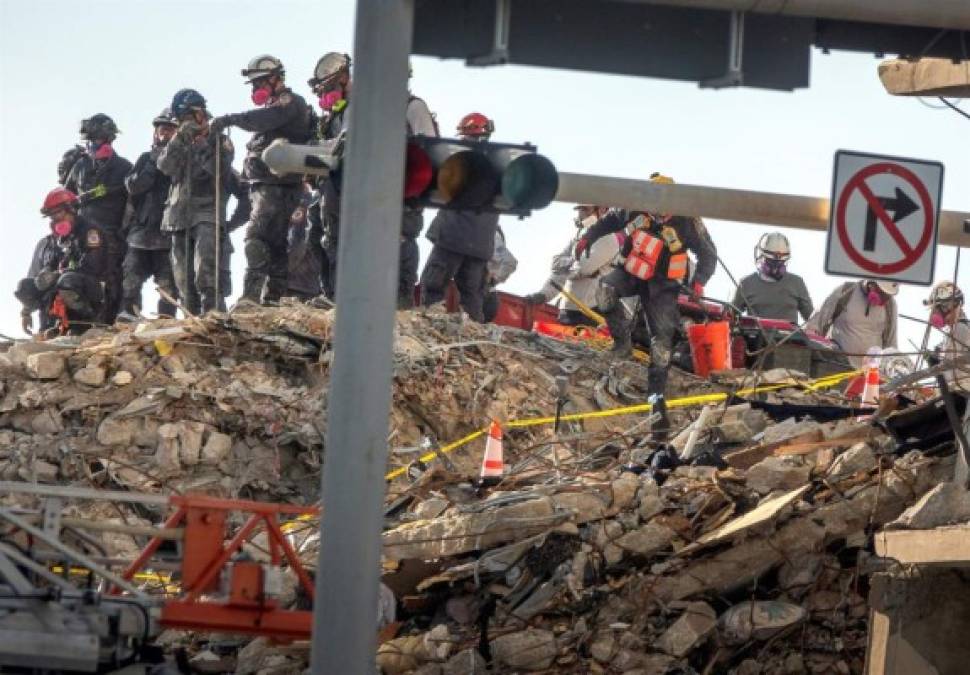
(530, 182)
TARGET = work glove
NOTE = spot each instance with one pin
(697, 289)
(220, 123)
(582, 245)
(536, 298)
(27, 322)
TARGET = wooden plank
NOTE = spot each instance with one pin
(939, 545)
(812, 446)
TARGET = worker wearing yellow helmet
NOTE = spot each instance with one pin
(653, 266)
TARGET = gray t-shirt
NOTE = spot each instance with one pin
(783, 299)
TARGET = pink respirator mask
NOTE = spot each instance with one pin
(937, 320)
(329, 99)
(262, 95)
(62, 228)
(875, 298)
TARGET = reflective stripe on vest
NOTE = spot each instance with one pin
(644, 254)
(677, 266)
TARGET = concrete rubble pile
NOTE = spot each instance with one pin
(742, 546)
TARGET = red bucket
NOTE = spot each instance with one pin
(710, 346)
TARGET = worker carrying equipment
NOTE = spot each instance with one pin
(653, 267)
(772, 292)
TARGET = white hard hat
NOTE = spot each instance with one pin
(944, 292)
(887, 287)
(773, 245)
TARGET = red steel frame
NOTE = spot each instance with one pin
(190, 611)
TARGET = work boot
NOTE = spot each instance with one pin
(660, 428)
(253, 284)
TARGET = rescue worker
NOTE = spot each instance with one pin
(580, 277)
(68, 160)
(858, 315)
(464, 242)
(68, 284)
(946, 315)
(654, 265)
(773, 292)
(280, 113)
(189, 160)
(331, 83)
(304, 264)
(419, 121)
(98, 179)
(148, 247)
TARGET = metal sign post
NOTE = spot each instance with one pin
(359, 400)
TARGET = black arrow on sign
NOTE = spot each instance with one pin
(901, 206)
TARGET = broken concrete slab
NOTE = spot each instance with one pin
(778, 473)
(693, 626)
(762, 515)
(46, 365)
(530, 649)
(859, 457)
(647, 539)
(946, 504)
(91, 376)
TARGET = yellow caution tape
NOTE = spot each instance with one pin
(684, 402)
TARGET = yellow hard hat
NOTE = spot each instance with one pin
(657, 177)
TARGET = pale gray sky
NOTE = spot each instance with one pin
(61, 62)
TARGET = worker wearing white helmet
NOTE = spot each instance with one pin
(859, 315)
(946, 315)
(773, 292)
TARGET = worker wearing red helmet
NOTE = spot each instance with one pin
(464, 242)
(654, 267)
(70, 270)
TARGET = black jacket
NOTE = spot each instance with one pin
(691, 232)
(287, 117)
(83, 251)
(87, 174)
(465, 232)
(147, 189)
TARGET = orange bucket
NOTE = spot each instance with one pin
(710, 346)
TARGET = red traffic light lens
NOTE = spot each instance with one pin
(418, 171)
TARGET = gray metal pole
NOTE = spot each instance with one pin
(359, 401)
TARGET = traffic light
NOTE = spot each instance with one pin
(478, 176)
(445, 173)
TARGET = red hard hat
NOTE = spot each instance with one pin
(475, 124)
(58, 197)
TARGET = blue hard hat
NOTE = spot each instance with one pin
(185, 101)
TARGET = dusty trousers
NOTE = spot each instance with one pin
(659, 300)
(266, 241)
(193, 265)
(140, 265)
(469, 275)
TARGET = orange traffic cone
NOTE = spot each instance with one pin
(492, 463)
(870, 393)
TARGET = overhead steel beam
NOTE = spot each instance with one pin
(948, 14)
(359, 399)
(743, 206)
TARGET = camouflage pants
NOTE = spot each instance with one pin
(141, 264)
(193, 265)
(266, 246)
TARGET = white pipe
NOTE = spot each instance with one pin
(742, 206)
(950, 14)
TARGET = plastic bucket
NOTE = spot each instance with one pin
(710, 346)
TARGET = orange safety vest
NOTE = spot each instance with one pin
(644, 257)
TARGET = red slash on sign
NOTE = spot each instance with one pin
(902, 207)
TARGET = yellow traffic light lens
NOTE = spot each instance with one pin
(530, 181)
(418, 171)
(466, 180)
